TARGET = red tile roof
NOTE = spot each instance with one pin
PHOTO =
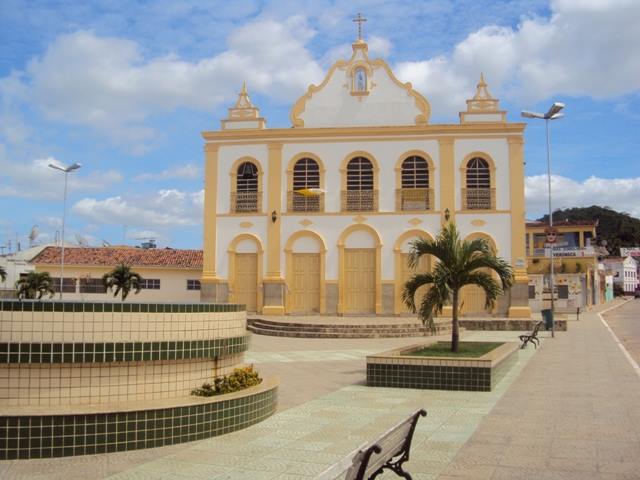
(112, 256)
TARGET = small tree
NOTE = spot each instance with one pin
(123, 280)
(459, 263)
(35, 285)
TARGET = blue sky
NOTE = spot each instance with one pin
(126, 87)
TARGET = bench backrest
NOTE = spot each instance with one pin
(366, 460)
(537, 328)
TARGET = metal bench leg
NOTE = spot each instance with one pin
(395, 467)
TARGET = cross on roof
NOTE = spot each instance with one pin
(359, 20)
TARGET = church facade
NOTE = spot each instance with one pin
(318, 218)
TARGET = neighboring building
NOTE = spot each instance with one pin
(625, 272)
(168, 275)
(318, 218)
(577, 282)
(17, 265)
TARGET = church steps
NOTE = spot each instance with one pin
(306, 330)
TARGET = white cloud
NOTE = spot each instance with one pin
(37, 180)
(582, 49)
(621, 194)
(187, 171)
(106, 83)
(163, 209)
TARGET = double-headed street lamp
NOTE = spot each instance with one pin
(552, 114)
(66, 171)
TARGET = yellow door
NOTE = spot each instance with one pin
(473, 298)
(360, 280)
(424, 265)
(305, 284)
(246, 281)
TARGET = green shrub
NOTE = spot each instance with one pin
(240, 379)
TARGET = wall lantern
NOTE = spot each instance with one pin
(274, 216)
(446, 214)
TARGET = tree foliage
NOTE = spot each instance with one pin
(35, 285)
(122, 280)
(618, 229)
(3, 273)
(459, 263)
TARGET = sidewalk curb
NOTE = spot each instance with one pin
(626, 353)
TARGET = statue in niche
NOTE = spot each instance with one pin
(360, 80)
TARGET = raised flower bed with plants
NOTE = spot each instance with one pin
(239, 379)
(450, 365)
(477, 366)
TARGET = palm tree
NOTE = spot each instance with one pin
(35, 285)
(123, 280)
(459, 263)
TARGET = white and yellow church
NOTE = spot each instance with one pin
(318, 218)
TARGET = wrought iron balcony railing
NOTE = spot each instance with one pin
(359, 200)
(414, 199)
(297, 202)
(478, 198)
(246, 202)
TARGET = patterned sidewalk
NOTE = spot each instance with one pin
(568, 410)
(301, 442)
(574, 413)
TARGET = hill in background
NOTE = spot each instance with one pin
(618, 229)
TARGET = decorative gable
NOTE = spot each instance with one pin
(360, 93)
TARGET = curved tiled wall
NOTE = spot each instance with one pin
(94, 360)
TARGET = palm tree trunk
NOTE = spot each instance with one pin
(455, 333)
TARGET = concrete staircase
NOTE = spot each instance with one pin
(344, 329)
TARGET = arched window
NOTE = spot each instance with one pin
(306, 176)
(360, 195)
(414, 193)
(478, 194)
(246, 198)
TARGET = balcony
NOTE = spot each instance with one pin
(359, 200)
(246, 202)
(297, 202)
(478, 198)
(414, 199)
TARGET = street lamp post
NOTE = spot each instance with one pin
(66, 171)
(552, 114)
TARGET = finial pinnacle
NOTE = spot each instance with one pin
(244, 88)
(359, 20)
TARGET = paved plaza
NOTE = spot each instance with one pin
(567, 410)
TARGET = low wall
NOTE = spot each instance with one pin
(398, 368)
(105, 358)
(518, 325)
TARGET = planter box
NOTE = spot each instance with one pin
(398, 369)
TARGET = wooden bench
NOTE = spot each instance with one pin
(532, 337)
(389, 451)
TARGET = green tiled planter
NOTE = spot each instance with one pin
(397, 368)
(79, 307)
(120, 351)
(26, 436)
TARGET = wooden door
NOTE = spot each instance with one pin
(424, 266)
(360, 280)
(305, 284)
(246, 281)
(472, 301)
